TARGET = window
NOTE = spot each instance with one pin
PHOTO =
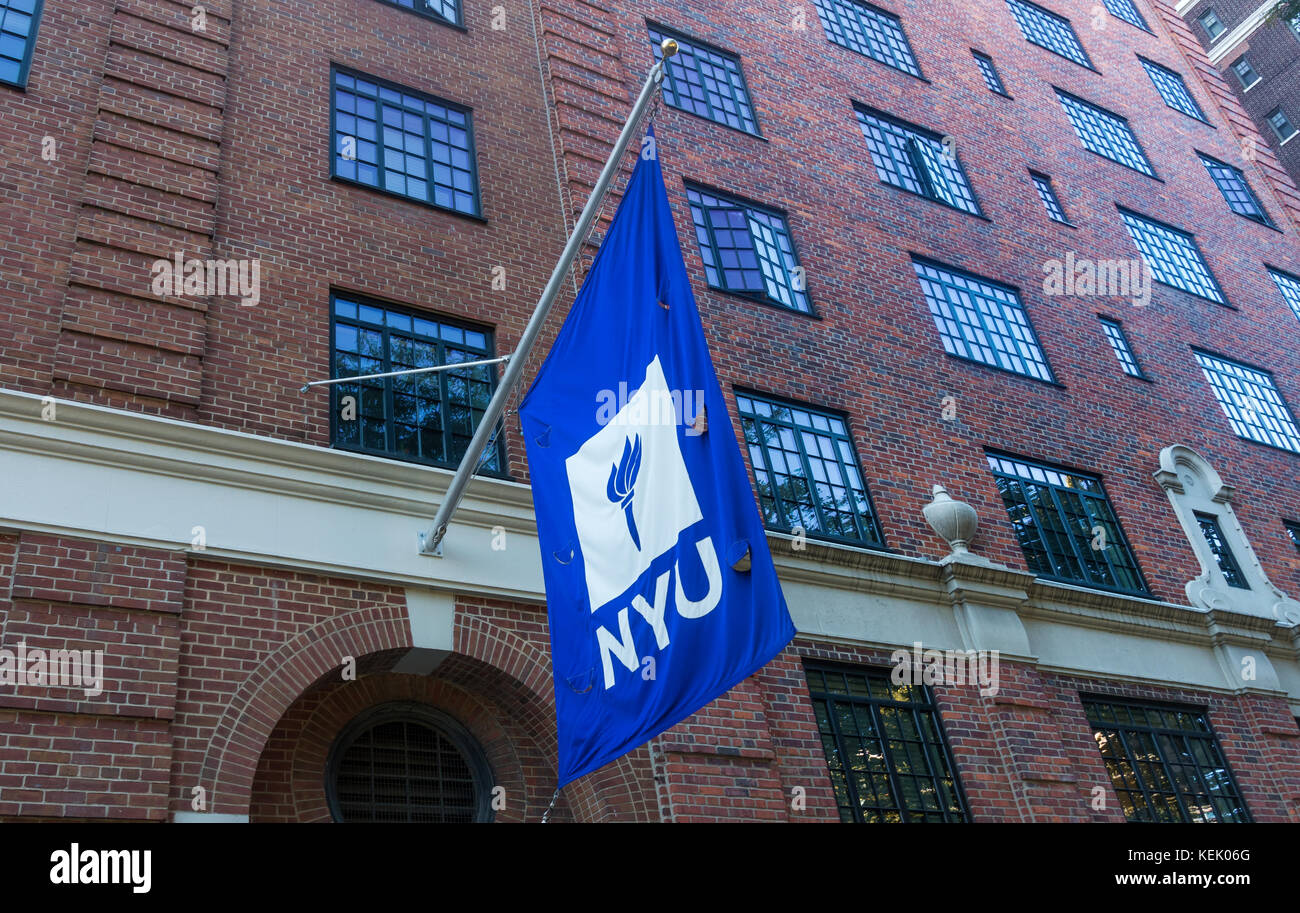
(1119, 344)
(1281, 125)
(1293, 532)
(1232, 184)
(1165, 763)
(1173, 90)
(407, 763)
(981, 320)
(1210, 22)
(807, 471)
(863, 28)
(705, 81)
(747, 249)
(990, 73)
(403, 142)
(1222, 552)
(1173, 256)
(1104, 133)
(916, 160)
(889, 761)
(1251, 402)
(1128, 11)
(1065, 525)
(439, 10)
(1289, 286)
(1048, 195)
(426, 418)
(1245, 72)
(1048, 30)
(18, 21)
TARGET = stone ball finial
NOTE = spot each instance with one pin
(954, 521)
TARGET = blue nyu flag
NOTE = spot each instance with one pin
(661, 591)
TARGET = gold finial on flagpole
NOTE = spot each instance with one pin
(669, 47)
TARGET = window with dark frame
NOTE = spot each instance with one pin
(1173, 257)
(1165, 763)
(1209, 21)
(1289, 286)
(981, 320)
(1105, 133)
(1048, 30)
(1221, 551)
(1127, 10)
(403, 142)
(1281, 125)
(870, 31)
(1293, 532)
(19, 20)
(1251, 401)
(807, 472)
(1119, 345)
(1245, 73)
(705, 81)
(916, 160)
(423, 418)
(1047, 193)
(990, 74)
(747, 249)
(437, 10)
(1173, 89)
(885, 749)
(1236, 192)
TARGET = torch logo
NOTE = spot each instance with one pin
(622, 484)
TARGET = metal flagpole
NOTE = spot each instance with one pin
(431, 542)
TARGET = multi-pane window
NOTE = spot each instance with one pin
(1209, 21)
(1293, 532)
(18, 21)
(1048, 30)
(404, 142)
(747, 249)
(916, 160)
(807, 471)
(1046, 193)
(868, 30)
(1245, 72)
(427, 418)
(1251, 402)
(1281, 125)
(990, 73)
(1232, 184)
(1119, 345)
(1221, 551)
(1289, 286)
(706, 81)
(887, 756)
(1172, 89)
(1065, 525)
(1165, 763)
(981, 320)
(1128, 11)
(1173, 256)
(1105, 133)
(442, 10)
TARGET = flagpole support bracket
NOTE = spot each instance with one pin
(424, 549)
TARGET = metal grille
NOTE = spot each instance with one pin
(1172, 89)
(1047, 194)
(1119, 345)
(404, 143)
(1065, 525)
(1173, 257)
(1165, 764)
(448, 10)
(989, 72)
(870, 31)
(705, 81)
(981, 321)
(916, 161)
(1128, 11)
(887, 757)
(806, 471)
(1232, 184)
(1222, 552)
(427, 418)
(747, 249)
(18, 21)
(1048, 30)
(404, 771)
(1289, 286)
(1293, 532)
(1251, 401)
(1104, 133)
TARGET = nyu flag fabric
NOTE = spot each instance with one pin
(660, 588)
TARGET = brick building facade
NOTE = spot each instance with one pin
(246, 560)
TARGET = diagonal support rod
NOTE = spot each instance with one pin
(455, 366)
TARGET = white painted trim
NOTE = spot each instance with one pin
(207, 818)
(1224, 44)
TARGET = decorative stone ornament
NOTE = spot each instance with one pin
(954, 521)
